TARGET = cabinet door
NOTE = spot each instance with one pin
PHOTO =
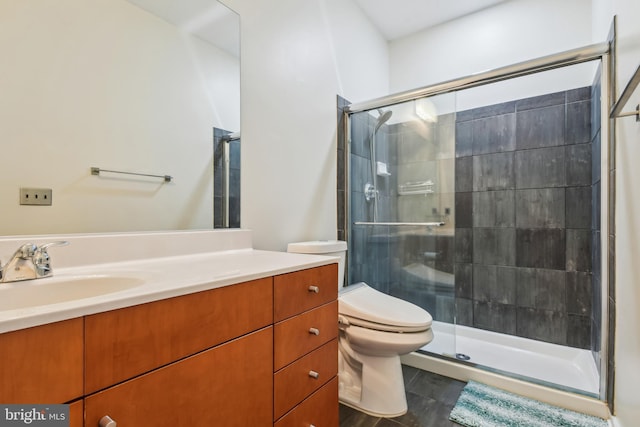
(230, 385)
(121, 344)
(43, 364)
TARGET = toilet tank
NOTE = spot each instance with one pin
(337, 248)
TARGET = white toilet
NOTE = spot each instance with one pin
(375, 329)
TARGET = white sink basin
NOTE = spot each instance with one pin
(54, 290)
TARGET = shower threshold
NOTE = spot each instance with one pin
(563, 366)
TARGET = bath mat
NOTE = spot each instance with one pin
(480, 405)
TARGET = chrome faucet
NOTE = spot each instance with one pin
(29, 262)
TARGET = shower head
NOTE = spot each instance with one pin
(383, 118)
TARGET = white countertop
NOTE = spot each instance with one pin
(160, 277)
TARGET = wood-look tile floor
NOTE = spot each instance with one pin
(430, 398)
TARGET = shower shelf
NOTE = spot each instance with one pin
(419, 187)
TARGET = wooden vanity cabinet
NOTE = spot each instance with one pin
(259, 353)
(306, 348)
(42, 364)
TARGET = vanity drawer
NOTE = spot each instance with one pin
(295, 382)
(303, 290)
(320, 409)
(121, 344)
(42, 364)
(229, 385)
(301, 334)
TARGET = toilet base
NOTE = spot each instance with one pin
(373, 414)
(375, 386)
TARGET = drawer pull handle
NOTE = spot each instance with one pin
(314, 374)
(314, 331)
(106, 421)
(314, 289)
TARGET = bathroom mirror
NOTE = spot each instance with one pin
(129, 86)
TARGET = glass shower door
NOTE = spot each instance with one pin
(402, 207)
(483, 206)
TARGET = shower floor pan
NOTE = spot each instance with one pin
(549, 363)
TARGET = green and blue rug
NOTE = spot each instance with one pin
(480, 405)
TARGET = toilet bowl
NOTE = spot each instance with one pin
(375, 330)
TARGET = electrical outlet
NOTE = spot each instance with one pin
(36, 196)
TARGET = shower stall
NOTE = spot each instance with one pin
(480, 200)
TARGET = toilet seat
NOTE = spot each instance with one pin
(361, 305)
(385, 344)
(354, 321)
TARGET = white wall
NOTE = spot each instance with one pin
(495, 37)
(498, 36)
(627, 248)
(106, 84)
(296, 56)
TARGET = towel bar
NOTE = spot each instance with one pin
(626, 94)
(97, 171)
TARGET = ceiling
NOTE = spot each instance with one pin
(399, 18)
(218, 24)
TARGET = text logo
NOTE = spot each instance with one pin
(34, 415)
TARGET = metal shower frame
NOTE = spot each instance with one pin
(605, 52)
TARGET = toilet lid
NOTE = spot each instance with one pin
(360, 301)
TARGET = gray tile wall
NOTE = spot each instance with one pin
(526, 249)
(219, 178)
(594, 220)
(524, 237)
(372, 248)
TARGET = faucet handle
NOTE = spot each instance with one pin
(25, 251)
(50, 244)
(41, 258)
